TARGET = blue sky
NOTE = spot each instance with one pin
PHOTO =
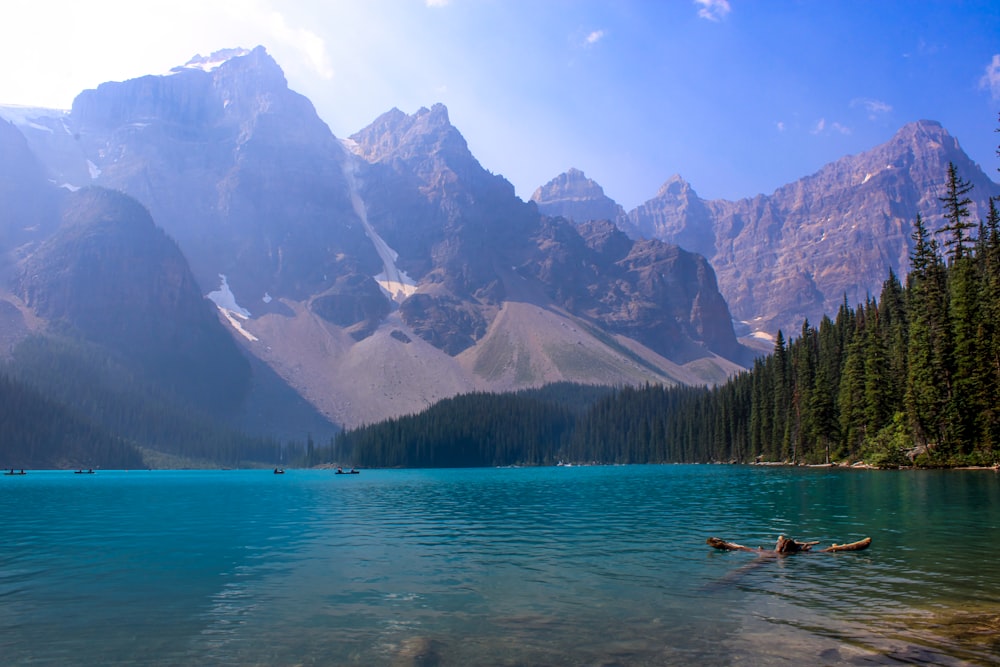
(738, 96)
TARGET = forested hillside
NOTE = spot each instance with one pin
(40, 433)
(911, 376)
(69, 403)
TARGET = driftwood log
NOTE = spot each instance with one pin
(786, 546)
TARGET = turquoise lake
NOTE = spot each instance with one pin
(528, 566)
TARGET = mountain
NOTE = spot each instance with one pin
(383, 272)
(105, 331)
(574, 196)
(798, 252)
(111, 275)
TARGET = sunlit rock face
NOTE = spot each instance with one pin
(798, 252)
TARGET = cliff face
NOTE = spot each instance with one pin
(796, 253)
(652, 292)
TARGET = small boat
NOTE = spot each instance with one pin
(352, 471)
(279, 471)
(81, 471)
(15, 473)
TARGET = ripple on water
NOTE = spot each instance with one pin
(523, 566)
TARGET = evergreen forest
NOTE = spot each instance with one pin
(66, 403)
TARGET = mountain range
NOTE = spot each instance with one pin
(373, 275)
(208, 230)
(799, 252)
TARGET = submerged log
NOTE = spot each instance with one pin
(786, 545)
(860, 545)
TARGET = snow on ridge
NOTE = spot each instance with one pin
(396, 284)
(212, 62)
(94, 170)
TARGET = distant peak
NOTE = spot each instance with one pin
(570, 180)
(218, 58)
(675, 185)
(923, 127)
(436, 116)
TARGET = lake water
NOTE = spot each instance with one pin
(532, 566)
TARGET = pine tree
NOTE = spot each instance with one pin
(928, 377)
(782, 399)
(956, 213)
(852, 389)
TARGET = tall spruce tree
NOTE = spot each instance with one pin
(928, 370)
(956, 213)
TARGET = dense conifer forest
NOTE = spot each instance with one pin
(68, 404)
(912, 377)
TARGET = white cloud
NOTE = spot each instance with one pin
(309, 46)
(780, 125)
(437, 3)
(594, 37)
(991, 79)
(822, 127)
(713, 10)
(873, 107)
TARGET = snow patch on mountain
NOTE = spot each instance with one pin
(396, 284)
(225, 301)
(212, 62)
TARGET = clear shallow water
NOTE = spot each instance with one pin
(533, 566)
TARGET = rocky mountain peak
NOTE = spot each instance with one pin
(574, 196)
(571, 184)
(397, 136)
(676, 213)
(676, 186)
(207, 88)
